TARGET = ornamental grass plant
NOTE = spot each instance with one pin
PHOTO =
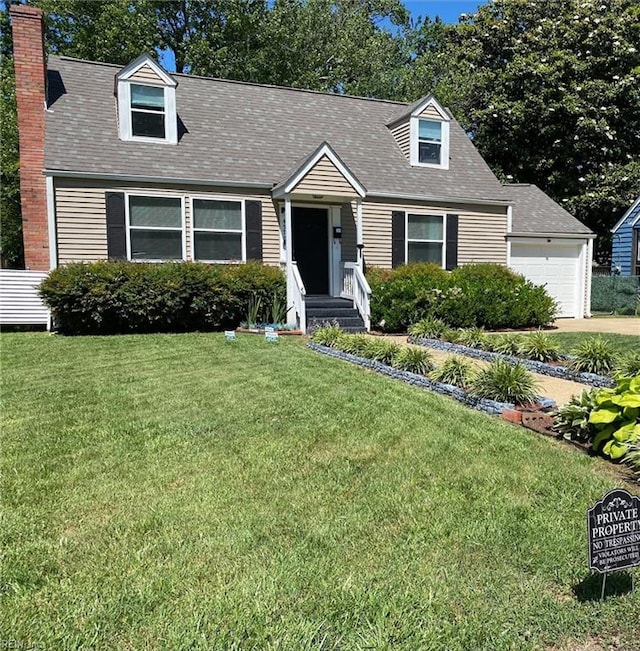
(504, 382)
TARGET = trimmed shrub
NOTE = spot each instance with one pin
(405, 295)
(484, 295)
(130, 297)
(499, 298)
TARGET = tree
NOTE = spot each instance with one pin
(549, 90)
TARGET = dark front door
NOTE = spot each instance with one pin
(311, 247)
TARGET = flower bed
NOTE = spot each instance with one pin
(482, 404)
(543, 368)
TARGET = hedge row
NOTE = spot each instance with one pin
(483, 295)
(129, 297)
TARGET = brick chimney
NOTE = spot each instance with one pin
(30, 72)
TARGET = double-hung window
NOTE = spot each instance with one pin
(148, 111)
(425, 238)
(218, 230)
(430, 142)
(156, 228)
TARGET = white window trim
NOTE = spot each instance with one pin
(415, 138)
(443, 241)
(183, 227)
(124, 113)
(243, 232)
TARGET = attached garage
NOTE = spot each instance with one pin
(559, 266)
(550, 247)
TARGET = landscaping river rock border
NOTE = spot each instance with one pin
(481, 404)
(600, 381)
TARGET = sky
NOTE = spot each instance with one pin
(448, 10)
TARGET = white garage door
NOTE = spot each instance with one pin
(556, 265)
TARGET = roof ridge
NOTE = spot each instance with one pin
(243, 83)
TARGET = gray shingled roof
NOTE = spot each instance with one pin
(247, 133)
(536, 212)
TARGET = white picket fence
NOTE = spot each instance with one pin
(19, 300)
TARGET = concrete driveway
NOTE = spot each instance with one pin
(616, 325)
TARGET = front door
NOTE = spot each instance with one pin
(311, 247)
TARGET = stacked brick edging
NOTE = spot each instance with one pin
(561, 372)
(30, 74)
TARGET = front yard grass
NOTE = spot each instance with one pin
(180, 492)
(621, 343)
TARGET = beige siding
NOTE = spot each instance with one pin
(481, 238)
(430, 113)
(348, 222)
(481, 231)
(325, 178)
(81, 216)
(147, 75)
(402, 134)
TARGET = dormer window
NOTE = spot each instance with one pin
(147, 111)
(429, 142)
(422, 133)
(147, 102)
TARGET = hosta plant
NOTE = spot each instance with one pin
(454, 370)
(572, 419)
(472, 337)
(414, 360)
(429, 328)
(540, 347)
(593, 355)
(508, 344)
(616, 418)
(505, 383)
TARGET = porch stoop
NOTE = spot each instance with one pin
(322, 309)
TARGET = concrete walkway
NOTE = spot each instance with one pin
(550, 387)
(616, 325)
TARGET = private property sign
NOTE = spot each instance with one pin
(614, 532)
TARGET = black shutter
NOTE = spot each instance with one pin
(253, 217)
(452, 242)
(116, 228)
(397, 239)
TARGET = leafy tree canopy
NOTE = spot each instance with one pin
(550, 91)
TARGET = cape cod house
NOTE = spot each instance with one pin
(136, 163)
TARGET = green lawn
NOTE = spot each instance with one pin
(620, 343)
(179, 492)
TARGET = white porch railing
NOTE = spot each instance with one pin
(356, 287)
(298, 296)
